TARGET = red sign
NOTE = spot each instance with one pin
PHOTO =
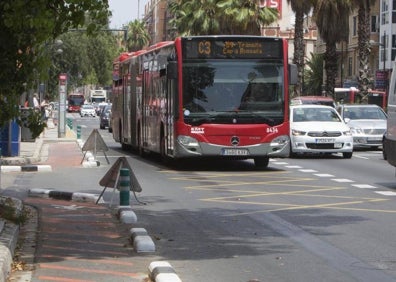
(63, 76)
(276, 4)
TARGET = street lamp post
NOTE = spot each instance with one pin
(62, 105)
(384, 46)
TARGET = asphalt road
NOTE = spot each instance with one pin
(302, 219)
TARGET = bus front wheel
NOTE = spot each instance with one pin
(261, 162)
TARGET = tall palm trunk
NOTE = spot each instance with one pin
(364, 49)
(331, 67)
(299, 50)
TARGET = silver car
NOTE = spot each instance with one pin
(367, 123)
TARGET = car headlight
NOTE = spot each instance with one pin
(296, 132)
(356, 130)
(347, 133)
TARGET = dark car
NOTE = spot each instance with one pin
(104, 117)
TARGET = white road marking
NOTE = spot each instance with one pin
(343, 180)
(324, 175)
(386, 193)
(364, 186)
(307, 170)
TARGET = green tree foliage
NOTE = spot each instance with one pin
(313, 75)
(86, 59)
(26, 29)
(138, 36)
(332, 18)
(208, 17)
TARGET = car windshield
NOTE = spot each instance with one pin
(364, 113)
(315, 114)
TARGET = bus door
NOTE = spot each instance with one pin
(146, 100)
(171, 107)
(126, 128)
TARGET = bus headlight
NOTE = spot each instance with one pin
(280, 141)
(187, 141)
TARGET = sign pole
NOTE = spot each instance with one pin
(62, 105)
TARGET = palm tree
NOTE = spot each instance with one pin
(332, 17)
(205, 17)
(300, 8)
(364, 8)
(138, 36)
(196, 17)
(246, 16)
(313, 75)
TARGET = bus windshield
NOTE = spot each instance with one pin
(76, 100)
(250, 88)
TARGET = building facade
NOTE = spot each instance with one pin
(157, 18)
(382, 37)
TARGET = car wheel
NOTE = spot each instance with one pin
(261, 162)
(347, 155)
(292, 154)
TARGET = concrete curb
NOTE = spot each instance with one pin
(62, 195)
(26, 168)
(8, 241)
(162, 271)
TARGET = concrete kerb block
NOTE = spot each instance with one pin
(10, 168)
(137, 231)
(142, 242)
(38, 192)
(91, 163)
(128, 217)
(85, 197)
(162, 271)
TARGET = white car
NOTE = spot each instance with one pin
(319, 129)
(87, 110)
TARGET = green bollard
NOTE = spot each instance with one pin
(70, 123)
(78, 131)
(124, 187)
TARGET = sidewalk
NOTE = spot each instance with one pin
(63, 248)
(30, 152)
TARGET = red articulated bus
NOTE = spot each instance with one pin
(74, 102)
(205, 96)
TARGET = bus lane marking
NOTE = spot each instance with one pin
(282, 180)
(335, 206)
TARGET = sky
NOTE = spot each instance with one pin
(125, 11)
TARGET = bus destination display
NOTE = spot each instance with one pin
(218, 49)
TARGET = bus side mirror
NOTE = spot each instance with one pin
(292, 74)
(171, 70)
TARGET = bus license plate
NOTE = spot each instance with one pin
(325, 140)
(235, 152)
